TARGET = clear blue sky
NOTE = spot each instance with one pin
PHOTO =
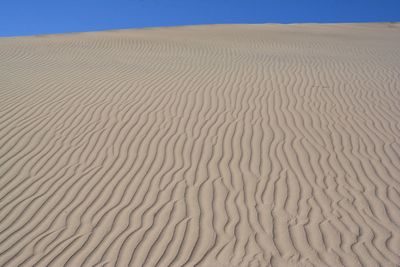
(27, 17)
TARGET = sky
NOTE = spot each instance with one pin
(31, 17)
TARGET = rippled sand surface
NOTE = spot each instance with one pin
(225, 145)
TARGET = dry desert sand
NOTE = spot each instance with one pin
(225, 145)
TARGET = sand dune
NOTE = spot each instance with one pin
(234, 145)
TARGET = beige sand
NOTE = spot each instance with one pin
(234, 145)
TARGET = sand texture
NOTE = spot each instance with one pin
(225, 145)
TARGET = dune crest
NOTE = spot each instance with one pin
(225, 145)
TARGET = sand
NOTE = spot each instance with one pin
(224, 145)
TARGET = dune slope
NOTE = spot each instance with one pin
(225, 145)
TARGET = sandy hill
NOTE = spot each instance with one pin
(225, 145)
